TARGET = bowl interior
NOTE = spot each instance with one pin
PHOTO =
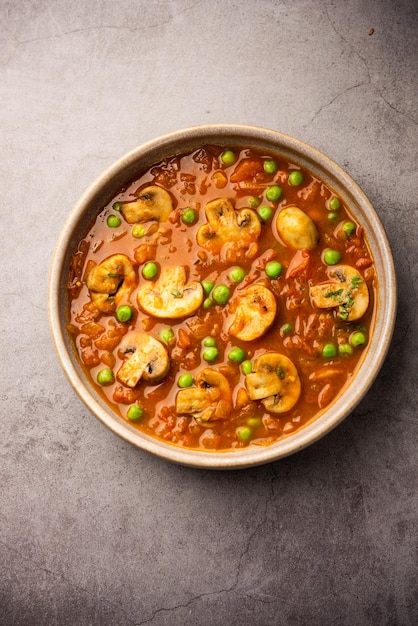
(140, 159)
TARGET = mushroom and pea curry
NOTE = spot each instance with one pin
(222, 299)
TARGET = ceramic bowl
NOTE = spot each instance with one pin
(140, 159)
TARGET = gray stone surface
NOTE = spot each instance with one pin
(94, 532)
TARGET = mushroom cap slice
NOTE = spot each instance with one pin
(296, 229)
(171, 297)
(275, 381)
(253, 311)
(153, 203)
(147, 358)
(209, 400)
(346, 291)
(111, 281)
(238, 228)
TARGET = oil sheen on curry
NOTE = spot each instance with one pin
(223, 299)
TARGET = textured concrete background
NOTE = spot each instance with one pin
(94, 532)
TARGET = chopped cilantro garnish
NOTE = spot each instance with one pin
(333, 294)
(342, 313)
(281, 373)
(356, 282)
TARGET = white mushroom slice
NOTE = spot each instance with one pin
(275, 381)
(170, 296)
(253, 311)
(346, 291)
(237, 227)
(153, 203)
(210, 400)
(261, 385)
(296, 229)
(147, 359)
(111, 282)
(192, 401)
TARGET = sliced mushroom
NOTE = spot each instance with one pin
(147, 358)
(275, 381)
(253, 311)
(209, 400)
(110, 282)
(238, 228)
(171, 296)
(153, 203)
(296, 229)
(346, 291)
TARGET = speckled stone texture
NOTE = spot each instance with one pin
(94, 532)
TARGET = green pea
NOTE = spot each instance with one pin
(166, 335)
(254, 422)
(237, 274)
(237, 355)
(210, 354)
(185, 380)
(265, 212)
(270, 167)
(273, 194)
(228, 157)
(207, 303)
(135, 412)
(334, 203)
(150, 270)
(247, 367)
(138, 231)
(358, 339)
(113, 221)
(105, 377)
(207, 285)
(349, 228)
(332, 257)
(209, 342)
(254, 202)
(117, 206)
(329, 351)
(188, 216)
(221, 294)
(243, 433)
(273, 269)
(286, 329)
(295, 178)
(345, 349)
(124, 313)
(332, 216)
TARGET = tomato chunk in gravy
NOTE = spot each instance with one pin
(222, 299)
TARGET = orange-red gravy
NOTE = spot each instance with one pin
(193, 180)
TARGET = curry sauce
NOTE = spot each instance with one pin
(222, 299)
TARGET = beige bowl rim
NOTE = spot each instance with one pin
(178, 142)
